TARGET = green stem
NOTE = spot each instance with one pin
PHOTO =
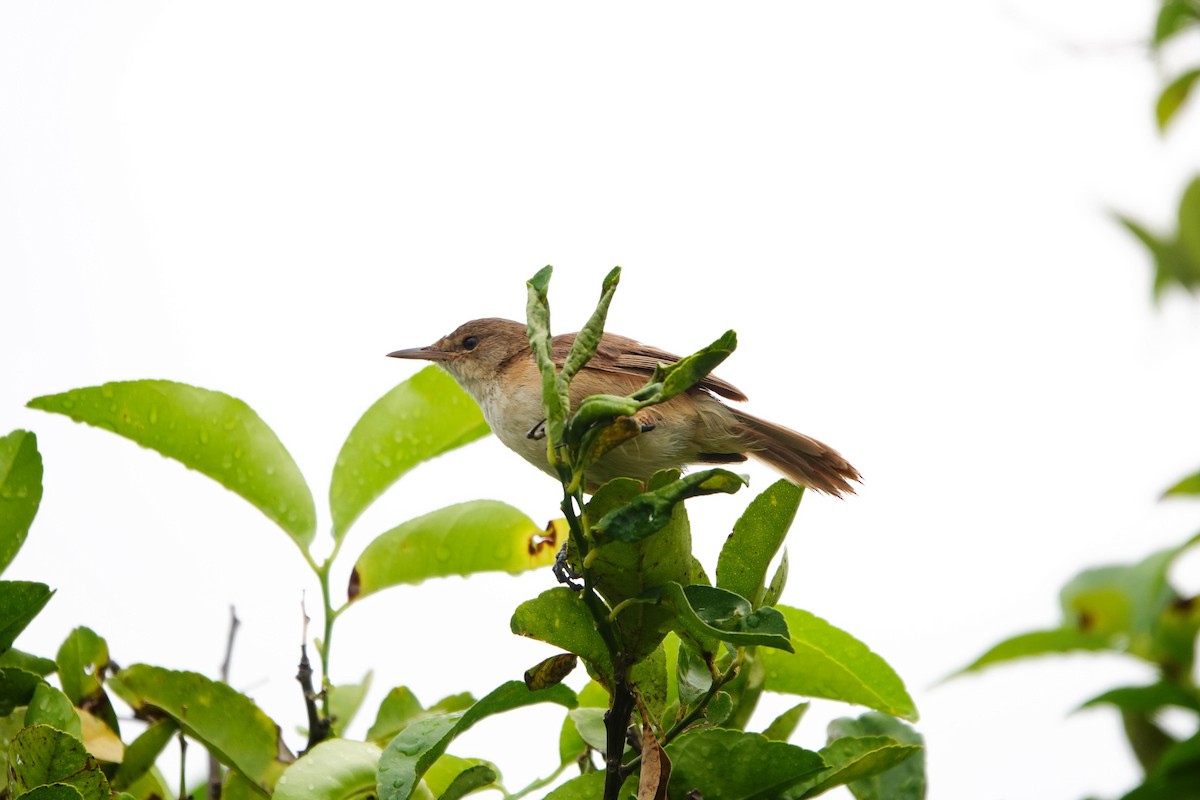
(693, 715)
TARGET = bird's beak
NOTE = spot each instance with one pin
(421, 354)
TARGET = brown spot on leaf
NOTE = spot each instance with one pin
(355, 586)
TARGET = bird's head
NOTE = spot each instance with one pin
(475, 353)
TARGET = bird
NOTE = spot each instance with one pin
(491, 359)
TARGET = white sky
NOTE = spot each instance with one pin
(903, 210)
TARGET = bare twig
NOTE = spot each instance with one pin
(215, 775)
(318, 726)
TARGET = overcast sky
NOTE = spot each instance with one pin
(903, 209)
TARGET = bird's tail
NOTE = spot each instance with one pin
(802, 459)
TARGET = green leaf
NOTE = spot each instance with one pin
(452, 777)
(227, 723)
(1188, 486)
(16, 688)
(469, 780)
(688, 372)
(215, 434)
(1172, 265)
(1189, 228)
(54, 791)
(588, 338)
(238, 787)
(1133, 605)
(1147, 699)
(81, 658)
(852, 759)
(756, 538)
(424, 417)
(1174, 16)
(651, 511)
(20, 602)
(20, 491)
(748, 766)
(400, 706)
(477, 536)
(571, 745)
(555, 402)
(709, 614)
(345, 700)
(1173, 96)
(49, 706)
(1037, 643)
(692, 674)
(41, 756)
(413, 751)
(589, 722)
(28, 662)
(335, 769)
(142, 752)
(783, 726)
(622, 571)
(775, 590)
(585, 787)
(559, 617)
(828, 662)
(904, 781)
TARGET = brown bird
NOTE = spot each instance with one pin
(491, 359)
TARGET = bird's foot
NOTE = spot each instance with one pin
(564, 571)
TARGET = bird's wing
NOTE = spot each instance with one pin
(628, 357)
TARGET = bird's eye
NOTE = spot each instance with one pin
(470, 342)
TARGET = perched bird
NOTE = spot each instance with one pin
(492, 360)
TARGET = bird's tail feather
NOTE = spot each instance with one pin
(802, 459)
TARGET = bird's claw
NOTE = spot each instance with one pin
(564, 571)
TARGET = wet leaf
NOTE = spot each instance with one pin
(20, 491)
(748, 765)
(41, 756)
(28, 662)
(852, 759)
(478, 536)
(559, 617)
(55, 791)
(709, 615)
(413, 751)
(80, 659)
(422, 418)
(651, 511)
(756, 538)
(20, 602)
(335, 769)
(830, 663)
(775, 590)
(215, 434)
(904, 780)
(228, 724)
(626, 570)
(49, 706)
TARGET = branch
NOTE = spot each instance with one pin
(318, 726)
(214, 766)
